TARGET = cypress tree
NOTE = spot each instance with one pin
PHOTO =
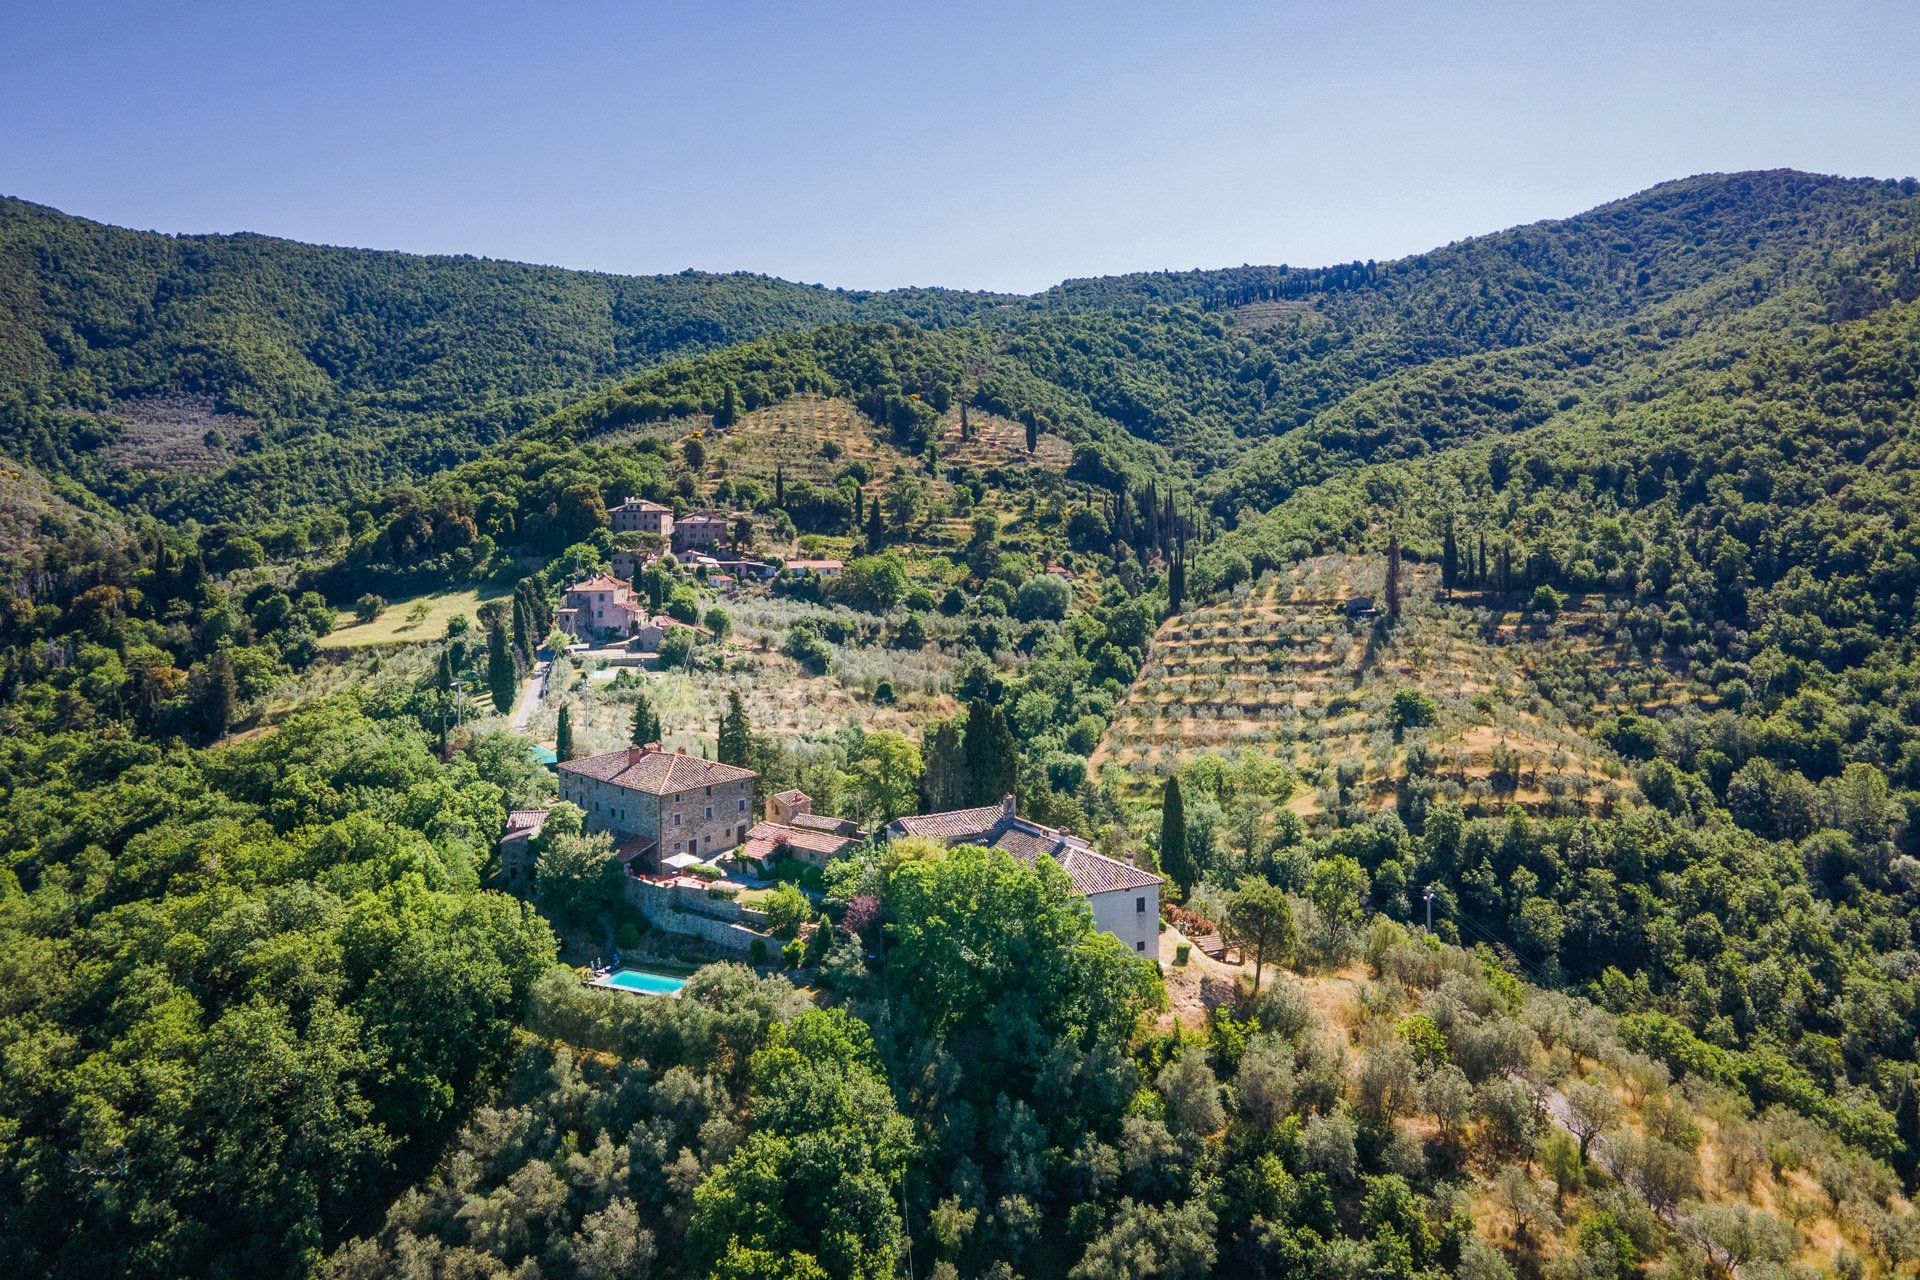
(443, 686)
(779, 486)
(219, 695)
(563, 736)
(1033, 432)
(944, 785)
(646, 725)
(1177, 582)
(1393, 575)
(1449, 560)
(876, 527)
(523, 641)
(502, 677)
(992, 756)
(735, 739)
(1173, 838)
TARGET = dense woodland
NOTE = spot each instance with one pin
(267, 1008)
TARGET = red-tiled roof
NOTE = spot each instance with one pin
(640, 504)
(955, 824)
(1089, 870)
(598, 582)
(812, 841)
(657, 773)
(526, 819)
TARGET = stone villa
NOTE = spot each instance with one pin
(637, 515)
(1124, 898)
(700, 531)
(658, 804)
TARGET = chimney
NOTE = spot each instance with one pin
(634, 754)
(1007, 806)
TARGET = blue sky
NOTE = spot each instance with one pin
(867, 145)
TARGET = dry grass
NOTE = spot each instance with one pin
(415, 620)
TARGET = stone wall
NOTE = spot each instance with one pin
(720, 921)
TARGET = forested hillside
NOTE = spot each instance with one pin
(1506, 655)
(343, 368)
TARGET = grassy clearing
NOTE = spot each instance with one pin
(411, 621)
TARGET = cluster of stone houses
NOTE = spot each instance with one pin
(668, 812)
(698, 530)
(604, 607)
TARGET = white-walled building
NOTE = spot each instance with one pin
(1125, 899)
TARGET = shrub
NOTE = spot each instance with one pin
(368, 607)
(1181, 952)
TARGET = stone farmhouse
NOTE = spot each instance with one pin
(659, 804)
(1125, 899)
(792, 830)
(701, 530)
(637, 515)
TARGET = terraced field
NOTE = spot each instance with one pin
(817, 439)
(1282, 671)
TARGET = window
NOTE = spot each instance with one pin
(676, 819)
(709, 813)
(1139, 904)
(1139, 946)
(743, 804)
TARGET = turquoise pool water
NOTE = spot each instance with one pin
(652, 984)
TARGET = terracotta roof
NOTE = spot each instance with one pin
(790, 795)
(640, 504)
(598, 582)
(1089, 870)
(657, 773)
(821, 822)
(816, 565)
(778, 833)
(955, 824)
(526, 820)
(1093, 872)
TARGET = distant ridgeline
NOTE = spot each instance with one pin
(232, 375)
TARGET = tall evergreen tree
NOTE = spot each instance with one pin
(503, 679)
(736, 733)
(992, 756)
(1174, 861)
(1449, 560)
(523, 638)
(1393, 575)
(1177, 583)
(876, 528)
(443, 682)
(1033, 432)
(646, 723)
(944, 784)
(563, 736)
(218, 696)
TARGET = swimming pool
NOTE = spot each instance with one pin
(642, 981)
